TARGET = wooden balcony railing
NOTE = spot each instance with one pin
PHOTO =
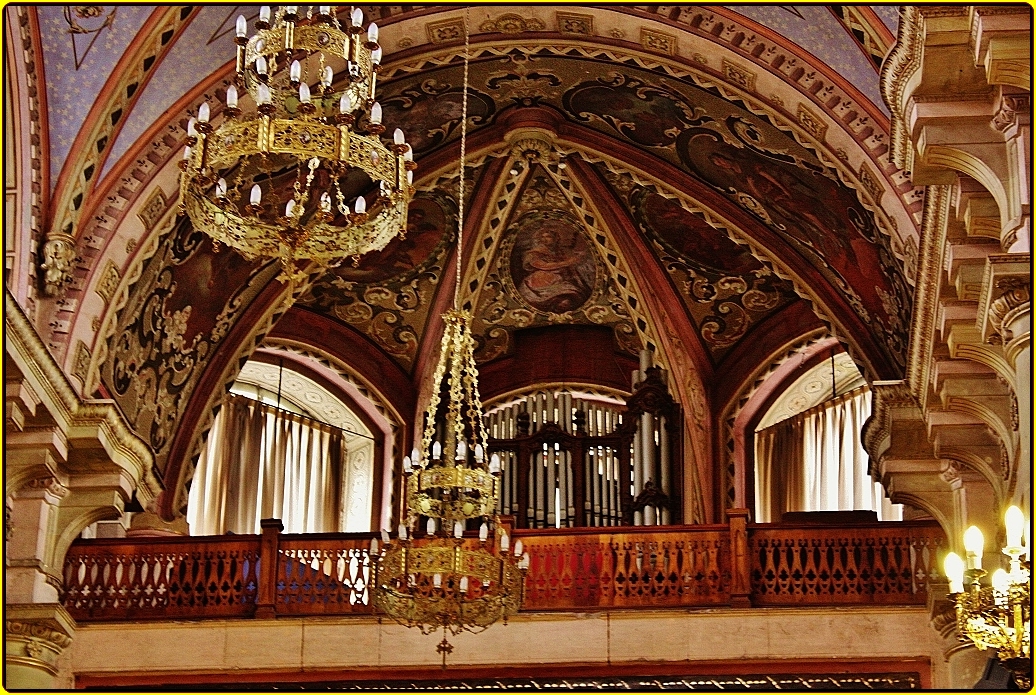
(570, 569)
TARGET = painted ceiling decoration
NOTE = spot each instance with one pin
(707, 183)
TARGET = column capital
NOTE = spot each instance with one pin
(35, 635)
(1005, 293)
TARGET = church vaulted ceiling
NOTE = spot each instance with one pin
(614, 178)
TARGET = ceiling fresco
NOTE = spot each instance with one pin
(387, 296)
(81, 46)
(546, 271)
(725, 288)
(740, 155)
(179, 311)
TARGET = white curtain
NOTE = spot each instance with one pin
(815, 461)
(261, 462)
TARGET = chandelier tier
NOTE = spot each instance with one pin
(445, 580)
(995, 613)
(306, 175)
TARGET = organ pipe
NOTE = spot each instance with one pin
(557, 474)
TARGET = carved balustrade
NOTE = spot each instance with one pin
(570, 569)
(118, 578)
(866, 564)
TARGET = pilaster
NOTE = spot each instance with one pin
(36, 634)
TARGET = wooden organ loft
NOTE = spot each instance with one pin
(572, 458)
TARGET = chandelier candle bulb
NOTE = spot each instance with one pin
(289, 208)
(376, 56)
(345, 105)
(372, 33)
(260, 66)
(483, 532)
(462, 450)
(973, 543)
(953, 567)
(436, 451)
(304, 95)
(505, 543)
(410, 178)
(398, 137)
(325, 10)
(385, 536)
(328, 77)
(518, 548)
(407, 468)
(264, 14)
(256, 195)
(415, 456)
(437, 580)
(242, 26)
(376, 114)
(357, 17)
(458, 529)
(295, 72)
(374, 546)
(1014, 522)
(494, 460)
(464, 585)
(187, 151)
(221, 188)
(192, 130)
(430, 527)
(291, 10)
(325, 202)
(203, 112)
(360, 206)
(1001, 585)
(402, 532)
(231, 97)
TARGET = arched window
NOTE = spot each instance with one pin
(809, 452)
(283, 446)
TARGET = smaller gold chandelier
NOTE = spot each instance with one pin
(996, 615)
(444, 580)
(305, 176)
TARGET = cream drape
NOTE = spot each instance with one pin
(261, 462)
(815, 461)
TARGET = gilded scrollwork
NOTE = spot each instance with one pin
(179, 310)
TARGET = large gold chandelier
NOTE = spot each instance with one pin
(995, 614)
(436, 574)
(306, 175)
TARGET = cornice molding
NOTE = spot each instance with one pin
(97, 420)
(926, 290)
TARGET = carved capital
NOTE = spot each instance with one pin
(58, 259)
(1012, 110)
(1005, 295)
(1011, 293)
(44, 484)
(35, 634)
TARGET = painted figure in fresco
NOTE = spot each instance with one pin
(552, 267)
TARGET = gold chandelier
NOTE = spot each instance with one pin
(995, 614)
(305, 176)
(443, 579)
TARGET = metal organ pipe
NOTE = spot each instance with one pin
(666, 464)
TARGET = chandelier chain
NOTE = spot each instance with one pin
(463, 161)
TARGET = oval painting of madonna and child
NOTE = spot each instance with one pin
(552, 265)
